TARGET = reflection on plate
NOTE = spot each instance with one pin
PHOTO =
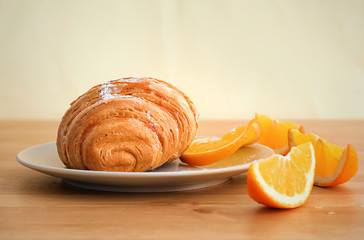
(173, 176)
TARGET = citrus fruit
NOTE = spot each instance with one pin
(243, 155)
(283, 181)
(275, 133)
(334, 165)
(208, 150)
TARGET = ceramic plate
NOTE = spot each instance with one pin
(173, 176)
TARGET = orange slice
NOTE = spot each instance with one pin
(334, 165)
(275, 133)
(283, 181)
(243, 155)
(205, 151)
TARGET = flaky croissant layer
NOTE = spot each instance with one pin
(127, 125)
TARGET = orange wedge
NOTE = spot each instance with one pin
(334, 165)
(283, 181)
(205, 151)
(274, 133)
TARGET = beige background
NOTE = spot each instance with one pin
(288, 59)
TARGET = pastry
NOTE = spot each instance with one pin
(127, 125)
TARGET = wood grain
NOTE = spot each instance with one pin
(37, 206)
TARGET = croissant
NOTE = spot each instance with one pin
(127, 125)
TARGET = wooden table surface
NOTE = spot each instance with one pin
(37, 206)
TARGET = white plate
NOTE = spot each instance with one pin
(173, 176)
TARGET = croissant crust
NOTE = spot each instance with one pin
(128, 125)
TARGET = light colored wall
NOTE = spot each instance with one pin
(288, 59)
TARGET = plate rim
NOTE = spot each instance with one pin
(199, 171)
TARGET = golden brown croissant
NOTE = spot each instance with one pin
(129, 125)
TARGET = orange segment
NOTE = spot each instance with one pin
(243, 155)
(274, 133)
(205, 151)
(334, 165)
(283, 181)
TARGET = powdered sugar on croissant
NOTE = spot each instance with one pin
(129, 125)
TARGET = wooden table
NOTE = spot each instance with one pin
(38, 206)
